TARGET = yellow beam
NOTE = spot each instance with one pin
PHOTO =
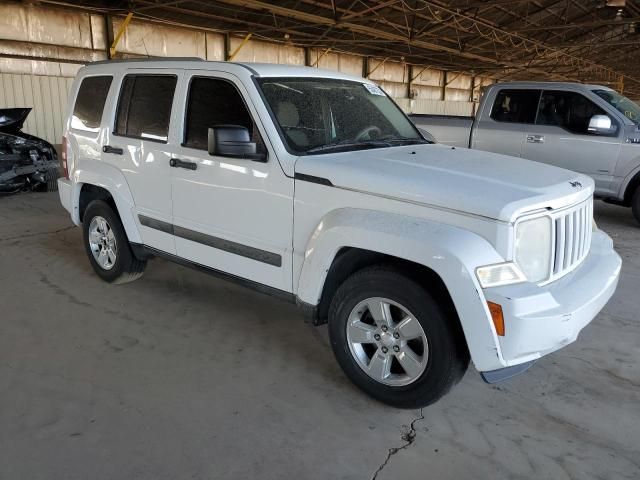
(239, 47)
(320, 56)
(123, 27)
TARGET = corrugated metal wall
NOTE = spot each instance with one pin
(47, 95)
(44, 47)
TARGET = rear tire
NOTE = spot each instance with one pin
(635, 204)
(433, 348)
(107, 245)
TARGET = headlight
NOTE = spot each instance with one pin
(499, 274)
(533, 248)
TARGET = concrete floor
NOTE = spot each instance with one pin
(180, 375)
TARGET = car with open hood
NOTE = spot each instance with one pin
(26, 161)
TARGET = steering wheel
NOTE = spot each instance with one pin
(366, 131)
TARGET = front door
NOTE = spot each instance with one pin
(233, 215)
(560, 137)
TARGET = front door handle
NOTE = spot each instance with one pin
(177, 163)
(535, 138)
(110, 149)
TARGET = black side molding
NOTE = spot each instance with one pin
(313, 179)
(144, 252)
(246, 251)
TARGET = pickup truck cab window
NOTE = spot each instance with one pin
(144, 107)
(515, 106)
(213, 102)
(87, 111)
(569, 110)
(320, 115)
(627, 107)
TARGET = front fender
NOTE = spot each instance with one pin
(451, 252)
(110, 178)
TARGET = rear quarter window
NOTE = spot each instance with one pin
(144, 106)
(92, 95)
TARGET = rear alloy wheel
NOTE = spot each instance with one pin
(107, 245)
(393, 340)
(102, 243)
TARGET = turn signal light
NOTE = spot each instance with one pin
(497, 317)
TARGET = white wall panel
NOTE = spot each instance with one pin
(265, 52)
(146, 38)
(46, 95)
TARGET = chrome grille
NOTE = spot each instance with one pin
(572, 233)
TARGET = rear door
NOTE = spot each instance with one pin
(500, 126)
(137, 144)
(230, 214)
(560, 137)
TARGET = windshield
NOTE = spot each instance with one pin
(627, 107)
(318, 115)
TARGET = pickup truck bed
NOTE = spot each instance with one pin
(447, 129)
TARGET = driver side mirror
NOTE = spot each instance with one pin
(601, 125)
(232, 141)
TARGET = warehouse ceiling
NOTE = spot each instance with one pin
(593, 41)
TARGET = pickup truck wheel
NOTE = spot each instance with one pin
(107, 245)
(635, 204)
(393, 340)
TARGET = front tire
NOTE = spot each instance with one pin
(635, 204)
(107, 245)
(393, 340)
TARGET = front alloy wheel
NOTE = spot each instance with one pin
(393, 340)
(387, 341)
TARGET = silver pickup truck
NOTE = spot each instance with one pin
(590, 129)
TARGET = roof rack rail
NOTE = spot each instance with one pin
(151, 59)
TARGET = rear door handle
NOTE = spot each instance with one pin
(110, 149)
(177, 163)
(535, 138)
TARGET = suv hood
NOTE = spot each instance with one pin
(469, 181)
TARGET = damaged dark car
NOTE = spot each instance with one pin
(26, 162)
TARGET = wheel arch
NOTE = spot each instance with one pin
(99, 180)
(439, 257)
(631, 187)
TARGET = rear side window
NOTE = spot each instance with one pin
(92, 94)
(515, 106)
(144, 108)
(215, 102)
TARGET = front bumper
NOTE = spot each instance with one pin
(542, 319)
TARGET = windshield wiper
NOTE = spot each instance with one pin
(406, 140)
(350, 145)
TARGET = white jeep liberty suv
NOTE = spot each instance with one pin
(314, 186)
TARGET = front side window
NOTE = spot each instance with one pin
(322, 114)
(515, 106)
(569, 110)
(144, 108)
(92, 95)
(213, 102)
(627, 107)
